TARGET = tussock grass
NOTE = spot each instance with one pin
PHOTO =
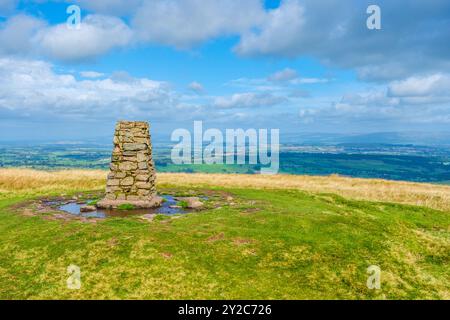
(421, 194)
(434, 196)
(29, 182)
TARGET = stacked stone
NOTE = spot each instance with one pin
(132, 174)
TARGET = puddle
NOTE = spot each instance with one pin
(74, 208)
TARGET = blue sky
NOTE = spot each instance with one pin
(297, 65)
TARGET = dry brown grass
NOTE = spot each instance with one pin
(27, 181)
(422, 194)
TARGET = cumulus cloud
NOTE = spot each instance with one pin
(98, 34)
(183, 24)
(431, 85)
(248, 100)
(413, 38)
(278, 34)
(412, 41)
(16, 34)
(32, 88)
(431, 90)
(25, 35)
(413, 101)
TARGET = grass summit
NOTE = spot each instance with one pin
(271, 237)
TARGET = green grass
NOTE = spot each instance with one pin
(161, 217)
(126, 207)
(183, 204)
(93, 202)
(268, 245)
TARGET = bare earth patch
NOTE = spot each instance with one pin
(240, 241)
(216, 237)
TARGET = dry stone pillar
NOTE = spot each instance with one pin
(132, 173)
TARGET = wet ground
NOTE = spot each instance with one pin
(169, 207)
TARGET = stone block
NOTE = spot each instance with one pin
(113, 182)
(128, 181)
(143, 185)
(130, 159)
(142, 156)
(132, 173)
(142, 165)
(142, 177)
(110, 196)
(120, 175)
(143, 192)
(134, 146)
(127, 166)
(133, 198)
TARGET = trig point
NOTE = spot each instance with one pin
(132, 174)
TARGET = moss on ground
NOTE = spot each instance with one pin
(126, 207)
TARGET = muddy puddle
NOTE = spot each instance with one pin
(169, 207)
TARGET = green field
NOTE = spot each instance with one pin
(261, 244)
(411, 163)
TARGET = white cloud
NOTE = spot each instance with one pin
(32, 88)
(278, 34)
(91, 74)
(248, 100)
(410, 102)
(25, 35)
(110, 7)
(281, 81)
(98, 34)
(332, 31)
(196, 87)
(183, 24)
(309, 80)
(16, 34)
(377, 98)
(431, 90)
(432, 85)
(283, 75)
(413, 39)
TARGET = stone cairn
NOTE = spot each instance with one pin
(132, 173)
